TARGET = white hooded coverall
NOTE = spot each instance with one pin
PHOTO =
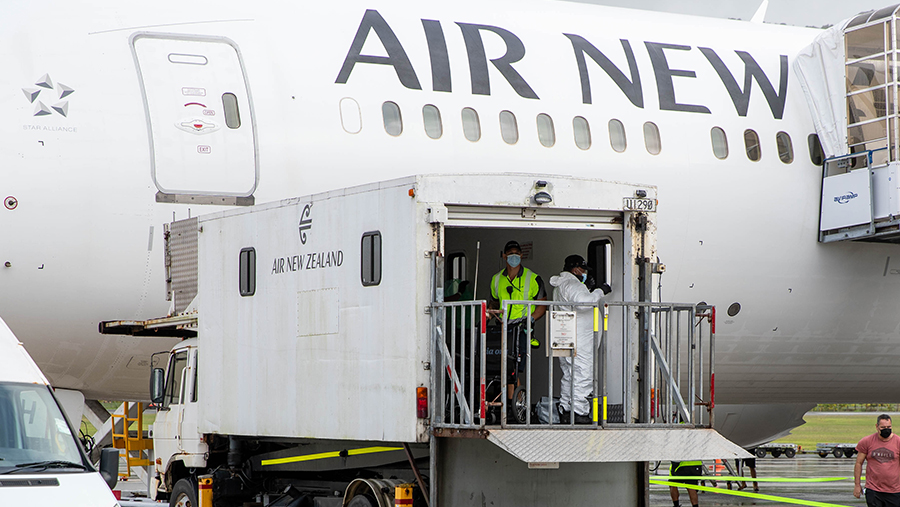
(567, 287)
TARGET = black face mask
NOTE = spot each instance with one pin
(885, 433)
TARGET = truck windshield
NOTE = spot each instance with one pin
(33, 429)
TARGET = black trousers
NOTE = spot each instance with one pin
(879, 499)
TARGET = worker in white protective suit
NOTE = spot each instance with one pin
(569, 286)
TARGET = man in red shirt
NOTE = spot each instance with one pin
(882, 451)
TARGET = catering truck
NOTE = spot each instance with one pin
(41, 461)
(338, 350)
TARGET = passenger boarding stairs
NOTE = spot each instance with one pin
(860, 199)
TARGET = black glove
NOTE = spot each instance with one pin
(605, 288)
(591, 282)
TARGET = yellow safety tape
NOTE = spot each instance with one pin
(733, 478)
(760, 496)
(596, 319)
(595, 409)
(606, 322)
(323, 455)
(604, 408)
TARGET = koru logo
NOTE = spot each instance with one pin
(305, 222)
(45, 83)
(844, 199)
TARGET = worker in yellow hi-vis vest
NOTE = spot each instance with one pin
(516, 282)
(686, 469)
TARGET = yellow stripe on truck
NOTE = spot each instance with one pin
(324, 455)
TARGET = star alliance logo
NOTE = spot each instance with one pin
(45, 83)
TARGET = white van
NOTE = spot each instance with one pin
(41, 461)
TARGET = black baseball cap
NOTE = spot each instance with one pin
(511, 245)
(575, 261)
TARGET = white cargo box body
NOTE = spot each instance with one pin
(315, 353)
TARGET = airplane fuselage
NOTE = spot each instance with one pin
(103, 142)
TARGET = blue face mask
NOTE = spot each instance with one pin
(513, 260)
(583, 277)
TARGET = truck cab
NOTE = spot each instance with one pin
(175, 431)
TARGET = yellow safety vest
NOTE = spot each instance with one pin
(525, 280)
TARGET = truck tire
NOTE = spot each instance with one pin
(848, 453)
(837, 453)
(822, 454)
(776, 453)
(184, 494)
(760, 453)
(790, 452)
(366, 500)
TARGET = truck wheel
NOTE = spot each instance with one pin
(184, 494)
(760, 453)
(837, 452)
(520, 407)
(776, 453)
(790, 452)
(848, 453)
(823, 454)
(366, 500)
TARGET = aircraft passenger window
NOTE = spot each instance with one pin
(785, 148)
(546, 134)
(351, 119)
(751, 143)
(816, 155)
(719, 143)
(232, 113)
(582, 132)
(617, 135)
(651, 138)
(471, 125)
(370, 271)
(431, 115)
(393, 124)
(509, 129)
(247, 273)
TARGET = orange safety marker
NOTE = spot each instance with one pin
(205, 492)
(403, 494)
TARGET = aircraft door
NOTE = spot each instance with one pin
(199, 117)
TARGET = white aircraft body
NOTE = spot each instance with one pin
(117, 118)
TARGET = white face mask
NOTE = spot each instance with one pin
(583, 277)
(513, 260)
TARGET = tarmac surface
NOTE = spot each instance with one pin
(801, 466)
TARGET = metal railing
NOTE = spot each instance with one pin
(471, 377)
